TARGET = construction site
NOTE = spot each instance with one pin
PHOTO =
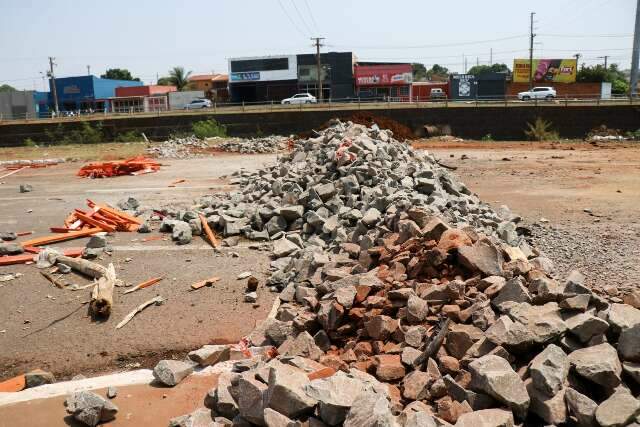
(340, 277)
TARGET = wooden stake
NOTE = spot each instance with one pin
(208, 231)
(157, 300)
(144, 284)
(46, 240)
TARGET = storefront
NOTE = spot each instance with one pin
(385, 82)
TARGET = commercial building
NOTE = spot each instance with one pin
(16, 104)
(135, 99)
(273, 78)
(87, 92)
(214, 86)
(387, 81)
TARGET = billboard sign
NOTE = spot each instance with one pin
(383, 75)
(545, 70)
(251, 76)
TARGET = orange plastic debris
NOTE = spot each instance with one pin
(132, 166)
(13, 385)
(39, 241)
(24, 233)
(210, 234)
(89, 220)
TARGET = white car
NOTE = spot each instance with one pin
(197, 104)
(301, 98)
(540, 92)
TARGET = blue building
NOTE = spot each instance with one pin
(86, 92)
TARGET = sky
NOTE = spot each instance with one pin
(148, 37)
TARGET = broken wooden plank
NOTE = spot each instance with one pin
(24, 233)
(158, 300)
(39, 241)
(56, 281)
(102, 293)
(92, 221)
(59, 229)
(15, 259)
(210, 234)
(13, 385)
(203, 283)
(144, 284)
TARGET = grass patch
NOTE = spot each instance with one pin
(208, 129)
(541, 130)
(84, 152)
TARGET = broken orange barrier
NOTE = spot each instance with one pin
(144, 284)
(92, 221)
(13, 385)
(39, 241)
(24, 258)
(210, 234)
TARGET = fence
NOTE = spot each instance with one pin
(328, 105)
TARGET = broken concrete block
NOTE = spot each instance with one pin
(90, 408)
(171, 372)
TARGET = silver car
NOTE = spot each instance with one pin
(197, 104)
(301, 98)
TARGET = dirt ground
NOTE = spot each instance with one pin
(45, 327)
(589, 194)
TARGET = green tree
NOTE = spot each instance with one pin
(7, 88)
(164, 81)
(119, 74)
(476, 70)
(179, 77)
(598, 74)
(419, 72)
(438, 71)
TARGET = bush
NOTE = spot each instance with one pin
(634, 136)
(487, 137)
(130, 136)
(87, 134)
(30, 143)
(541, 130)
(208, 128)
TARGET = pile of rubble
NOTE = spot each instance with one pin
(177, 148)
(603, 133)
(405, 301)
(268, 144)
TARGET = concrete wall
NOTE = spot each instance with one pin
(571, 90)
(500, 122)
(17, 104)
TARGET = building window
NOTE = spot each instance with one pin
(404, 90)
(265, 64)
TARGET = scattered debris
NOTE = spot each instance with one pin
(144, 284)
(263, 145)
(203, 283)
(90, 408)
(177, 148)
(133, 166)
(158, 300)
(26, 188)
(38, 377)
(171, 372)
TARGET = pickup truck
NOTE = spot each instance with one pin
(437, 93)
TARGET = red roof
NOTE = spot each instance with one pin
(209, 77)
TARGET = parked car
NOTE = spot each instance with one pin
(197, 104)
(301, 98)
(437, 93)
(540, 92)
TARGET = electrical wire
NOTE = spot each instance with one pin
(304, 21)
(313, 20)
(291, 20)
(434, 45)
(585, 36)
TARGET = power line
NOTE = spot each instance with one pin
(291, 20)
(315, 24)
(586, 36)
(304, 22)
(432, 45)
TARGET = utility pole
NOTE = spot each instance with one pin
(531, 37)
(606, 57)
(53, 84)
(577, 56)
(88, 70)
(491, 56)
(635, 56)
(318, 44)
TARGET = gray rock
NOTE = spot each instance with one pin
(220, 398)
(550, 407)
(599, 364)
(629, 344)
(90, 408)
(303, 345)
(171, 372)
(38, 377)
(417, 309)
(415, 386)
(250, 297)
(549, 369)
(210, 354)
(201, 417)
(26, 188)
(513, 291)
(8, 235)
(325, 191)
(11, 249)
(284, 247)
(371, 217)
(409, 355)
(252, 395)
(275, 419)
(145, 227)
(335, 396)
(278, 331)
(586, 326)
(286, 393)
(622, 316)
(129, 203)
(291, 213)
(460, 338)
(96, 242)
(370, 409)
(419, 419)
(112, 392)
(618, 410)
(581, 407)
(486, 418)
(181, 233)
(493, 375)
(482, 257)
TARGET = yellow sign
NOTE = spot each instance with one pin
(545, 70)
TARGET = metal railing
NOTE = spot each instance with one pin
(327, 105)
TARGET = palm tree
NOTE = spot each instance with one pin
(179, 78)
